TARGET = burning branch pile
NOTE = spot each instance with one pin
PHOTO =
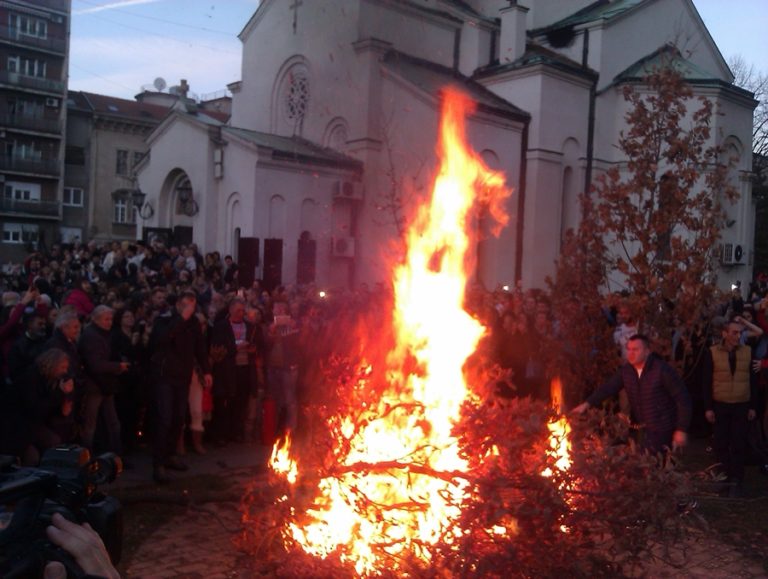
(415, 467)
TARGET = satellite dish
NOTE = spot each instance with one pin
(160, 84)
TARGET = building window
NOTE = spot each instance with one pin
(125, 212)
(30, 109)
(23, 25)
(296, 95)
(27, 66)
(121, 163)
(16, 191)
(73, 197)
(18, 233)
(137, 157)
(23, 151)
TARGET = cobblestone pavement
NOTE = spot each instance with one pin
(199, 541)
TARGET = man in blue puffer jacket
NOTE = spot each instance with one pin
(660, 403)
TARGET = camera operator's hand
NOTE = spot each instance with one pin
(84, 544)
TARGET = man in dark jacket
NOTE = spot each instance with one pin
(177, 344)
(66, 332)
(28, 346)
(101, 381)
(657, 396)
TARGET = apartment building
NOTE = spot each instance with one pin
(34, 48)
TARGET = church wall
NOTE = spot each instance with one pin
(662, 22)
(329, 57)
(410, 31)
(475, 48)
(289, 216)
(411, 138)
(194, 158)
(559, 109)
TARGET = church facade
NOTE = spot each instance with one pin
(331, 140)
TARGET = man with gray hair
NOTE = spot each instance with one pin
(66, 331)
(101, 382)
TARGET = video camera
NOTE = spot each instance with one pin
(65, 482)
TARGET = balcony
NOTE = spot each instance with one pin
(33, 82)
(30, 123)
(50, 43)
(49, 167)
(50, 209)
(60, 5)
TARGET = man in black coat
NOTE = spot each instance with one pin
(176, 344)
(28, 346)
(657, 396)
(66, 333)
(101, 379)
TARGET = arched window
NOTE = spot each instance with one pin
(336, 134)
(291, 97)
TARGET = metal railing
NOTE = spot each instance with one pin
(26, 165)
(16, 79)
(52, 43)
(30, 123)
(39, 208)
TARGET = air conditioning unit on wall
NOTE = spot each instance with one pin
(343, 246)
(52, 102)
(348, 190)
(732, 254)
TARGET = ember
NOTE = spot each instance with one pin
(399, 481)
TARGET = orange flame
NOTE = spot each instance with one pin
(559, 443)
(281, 461)
(405, 457)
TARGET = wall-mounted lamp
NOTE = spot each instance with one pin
(143, 208)
(186, 199)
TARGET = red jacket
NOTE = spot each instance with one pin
(80, 300)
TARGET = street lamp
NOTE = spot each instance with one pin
(143, 209)
(187, 203)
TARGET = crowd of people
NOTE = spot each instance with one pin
(123, 344)
(128, 343)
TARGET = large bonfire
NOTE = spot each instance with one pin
(400, 478)
(410, 476)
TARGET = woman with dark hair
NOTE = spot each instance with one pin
(39, 414)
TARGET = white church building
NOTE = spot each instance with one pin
(333, 130)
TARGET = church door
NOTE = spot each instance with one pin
(248, 259)
(305, 262)
(273, 263)
(182, 235)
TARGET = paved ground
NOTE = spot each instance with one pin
(197, 540)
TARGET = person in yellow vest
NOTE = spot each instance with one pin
(730, 400)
